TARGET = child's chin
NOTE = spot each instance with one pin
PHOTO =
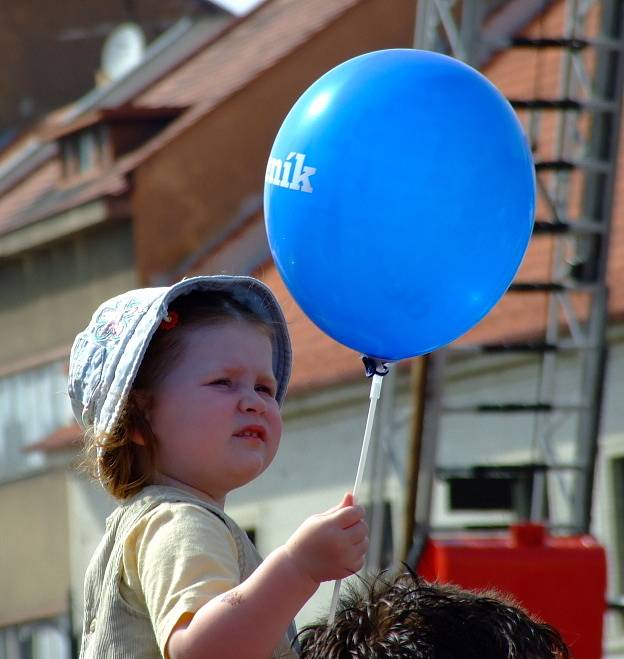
(250, 472)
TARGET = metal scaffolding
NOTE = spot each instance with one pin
(576, 183)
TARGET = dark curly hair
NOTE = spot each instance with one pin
(409, 618)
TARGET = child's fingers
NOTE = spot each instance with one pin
(361, 547)
(356, 564)
(347, 517)
(357, 532)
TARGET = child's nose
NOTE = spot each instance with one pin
(252, 401)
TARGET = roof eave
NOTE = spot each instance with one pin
(60, 225)
(113, 115)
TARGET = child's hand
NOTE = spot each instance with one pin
(330, 545)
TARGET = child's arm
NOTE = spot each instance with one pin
(250, 620)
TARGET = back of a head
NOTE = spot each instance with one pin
(410, 618)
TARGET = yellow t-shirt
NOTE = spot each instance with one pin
(167, 569)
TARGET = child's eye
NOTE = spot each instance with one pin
(222, 381)
(265, 389)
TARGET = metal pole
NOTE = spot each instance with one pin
(418, 378)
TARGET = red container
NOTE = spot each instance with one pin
(562, 580)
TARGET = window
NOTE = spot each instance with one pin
(480, 494)
(87, 151)
(83, 151)
(493, 487)
(33, 403)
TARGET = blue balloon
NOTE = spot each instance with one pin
(399, 201)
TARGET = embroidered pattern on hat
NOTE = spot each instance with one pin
(113, 321)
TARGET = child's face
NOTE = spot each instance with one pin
(215, 415)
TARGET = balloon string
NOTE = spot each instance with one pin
(375, 392)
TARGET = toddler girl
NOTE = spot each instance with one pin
(179, 390)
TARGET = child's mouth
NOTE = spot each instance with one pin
(252, 433)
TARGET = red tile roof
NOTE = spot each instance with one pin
(229, 62)
(238, 57)
(243, 51)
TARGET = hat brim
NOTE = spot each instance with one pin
(248, 290)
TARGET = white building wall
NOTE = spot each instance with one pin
(317, 460)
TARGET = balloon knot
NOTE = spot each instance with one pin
(374, 366)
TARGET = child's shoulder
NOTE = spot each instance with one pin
(171, 515)
(163, 501)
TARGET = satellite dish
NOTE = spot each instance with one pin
(123, 50)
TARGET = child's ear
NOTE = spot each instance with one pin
(137, 438)
(141, 401)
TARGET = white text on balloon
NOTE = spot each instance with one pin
(278, 173)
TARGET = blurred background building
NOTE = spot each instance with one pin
(134, 143)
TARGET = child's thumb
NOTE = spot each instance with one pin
(347, 500)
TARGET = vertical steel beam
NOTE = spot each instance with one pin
(598, 205)
(455, 27)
